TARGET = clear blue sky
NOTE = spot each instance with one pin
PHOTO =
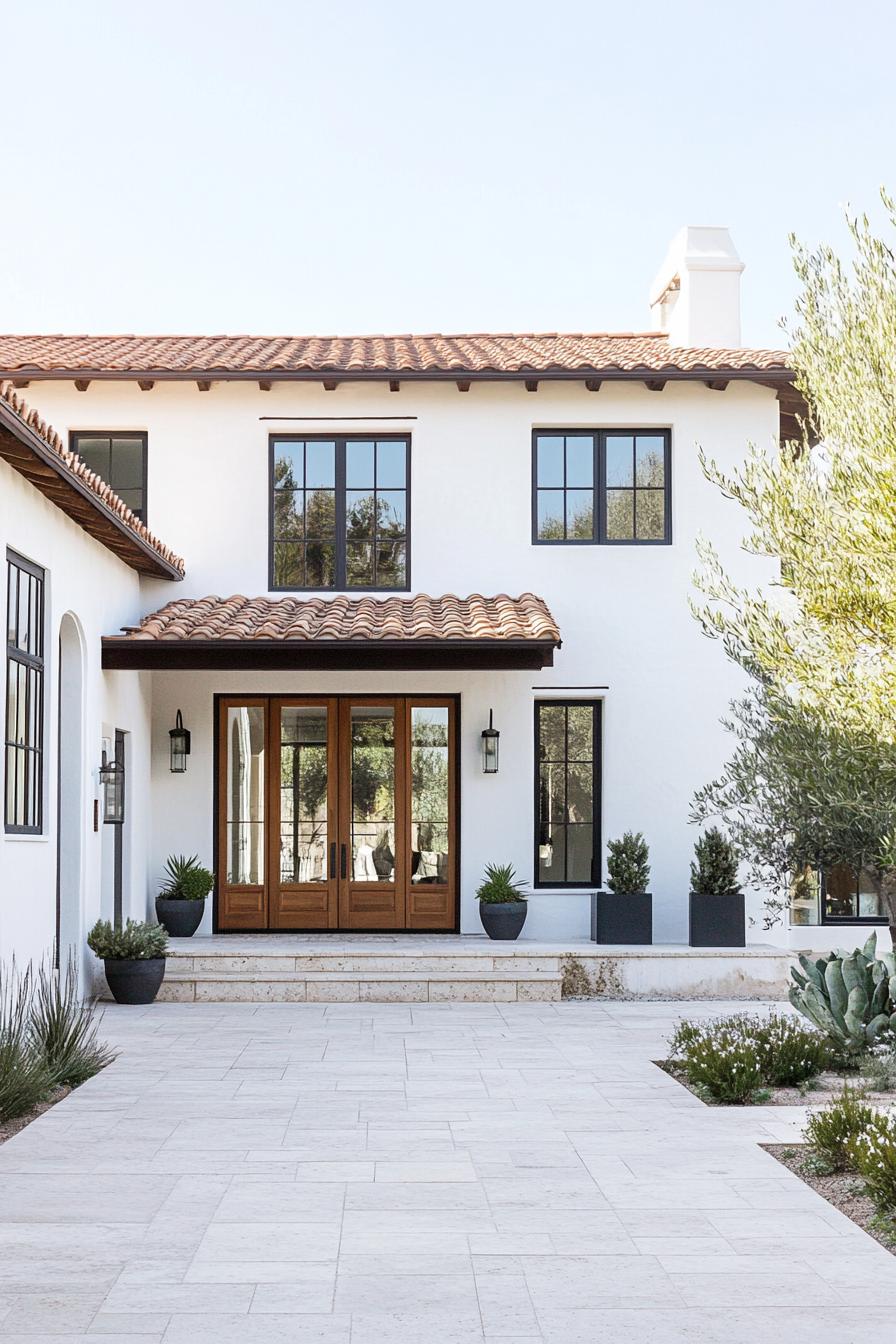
(285, 166)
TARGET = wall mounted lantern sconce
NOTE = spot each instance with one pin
(112, 783)
(490, 736)
(180, 746)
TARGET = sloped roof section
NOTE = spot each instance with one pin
(479, 355)
(35, 450)
(341, 631)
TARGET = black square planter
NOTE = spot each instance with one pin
(622, 917)
(717, 921)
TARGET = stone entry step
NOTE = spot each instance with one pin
(454, 968)
(370, 986)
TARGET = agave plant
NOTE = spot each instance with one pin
(850, 996)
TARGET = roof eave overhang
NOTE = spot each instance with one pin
(393, 655)
(26, 453)
(767, 376)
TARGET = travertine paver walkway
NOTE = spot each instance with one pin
(441, 1174)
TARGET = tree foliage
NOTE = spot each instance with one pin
(813, 773)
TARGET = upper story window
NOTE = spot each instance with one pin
(340, 511)
(120, 459)
(24, 740)
(603, 486)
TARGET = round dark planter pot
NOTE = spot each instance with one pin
(134, 981)
(180, 918)
(504, 921)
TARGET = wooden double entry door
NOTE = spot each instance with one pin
(337, 812)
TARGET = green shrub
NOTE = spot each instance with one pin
(723, 1062)
(874, 1157)
(186, 879)
(878, 1067)
(628, 869)
(789, 1053)
(135, 941)
(848, 996)
(782, 1050)
(25, 1079)
(500, 885)
(63, 1027)
(832, 1131)
(715, 871)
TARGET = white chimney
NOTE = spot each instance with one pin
(696, 294)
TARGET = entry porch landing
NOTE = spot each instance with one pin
(455, 968)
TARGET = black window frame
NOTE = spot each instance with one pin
(599, 485)
(596, 707)
(35, 664)
(340, 489)
(140, 436)
(873, 921)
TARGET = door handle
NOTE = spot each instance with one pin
(333, 859)
(343, 861)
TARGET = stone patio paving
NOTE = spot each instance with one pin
(432, 1174)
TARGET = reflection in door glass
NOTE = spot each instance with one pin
(373, 793)
(245, 795)
(429, 794)
(303, 794)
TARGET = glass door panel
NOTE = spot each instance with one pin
(430, 785)
(304, 778)
(242, 894)
(303, 869)
(373, 793)
(244, 793)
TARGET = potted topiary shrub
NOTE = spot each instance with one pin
(716, 915)
(181, 902)
(502, 902)
(133, 957)
(624, 913)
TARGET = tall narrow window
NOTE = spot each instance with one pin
(567, 793)
(339, 512)
(120, 459)
(24, 696)
(606, 487)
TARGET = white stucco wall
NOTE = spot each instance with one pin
(82, 578)
(622, 611)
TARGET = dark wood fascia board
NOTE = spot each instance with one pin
(27, 453)
(413, 655)
(766, 377)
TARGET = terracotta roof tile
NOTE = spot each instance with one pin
(69, 464)
(479, 354)
(351, 618)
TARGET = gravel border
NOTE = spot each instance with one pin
(8, 1128)
(844, 1190)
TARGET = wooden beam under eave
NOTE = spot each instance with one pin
(145, 384)
(463, 384)
(394, 385)
(716, 384)
(204, 385)
(654, 384)
(21, 382)
(330, 384)
(592, 384)
(82, 384)
(264, 385)
(531, 384)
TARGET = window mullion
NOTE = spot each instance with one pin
(341, 517)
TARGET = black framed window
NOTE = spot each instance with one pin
(340, 511)
(24, 739)
(120, 459)
(567, 793)
(607, 487)
(851, 897)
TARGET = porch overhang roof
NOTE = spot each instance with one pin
(341, 633)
